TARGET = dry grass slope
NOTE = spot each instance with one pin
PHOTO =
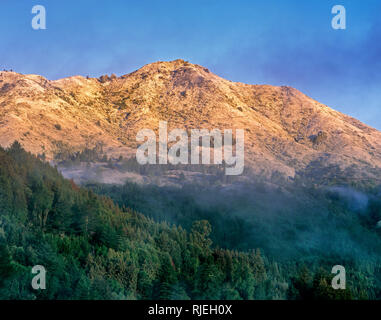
(285, 130)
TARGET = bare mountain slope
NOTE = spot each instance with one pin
(285, 130)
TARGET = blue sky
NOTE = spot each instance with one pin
(279, 42)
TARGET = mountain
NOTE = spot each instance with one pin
(286, 132)
(158, 241)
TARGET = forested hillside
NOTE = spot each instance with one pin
(93, 249)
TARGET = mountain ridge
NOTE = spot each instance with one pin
(285, 130)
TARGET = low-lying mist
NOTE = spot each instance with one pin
(287, 222)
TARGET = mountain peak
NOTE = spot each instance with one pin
(168, 66)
